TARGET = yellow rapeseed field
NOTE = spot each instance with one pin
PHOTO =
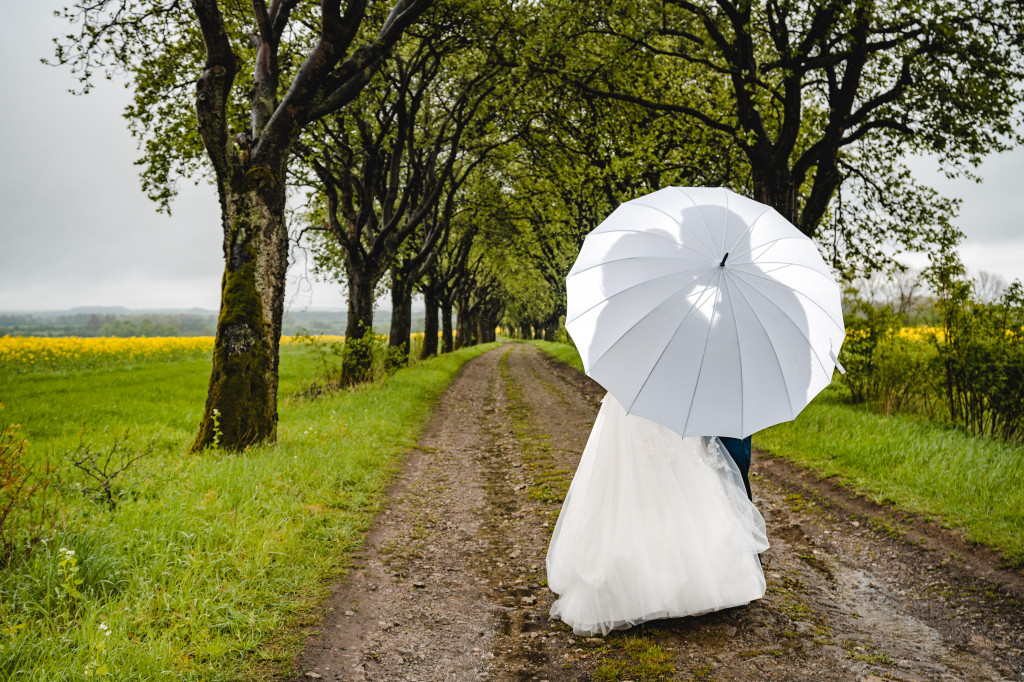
(30, 353)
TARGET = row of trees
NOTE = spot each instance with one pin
(462, 149)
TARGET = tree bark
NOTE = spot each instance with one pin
(775, 187)
(467, 325)
(401, 315)
(360, 303)
(429, 324)
(241, 403)
(447, 340)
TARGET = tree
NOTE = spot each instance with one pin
(388, 178)
(262, 75)
(815, 94)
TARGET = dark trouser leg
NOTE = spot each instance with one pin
(739, 450)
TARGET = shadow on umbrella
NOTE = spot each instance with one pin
(705, 311)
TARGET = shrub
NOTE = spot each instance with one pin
(982, 355)
(23, 488)
(887, 369)
(341, 364)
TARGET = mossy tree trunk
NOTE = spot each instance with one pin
(251, 169)
(241, 402)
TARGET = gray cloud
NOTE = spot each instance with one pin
(77, 230)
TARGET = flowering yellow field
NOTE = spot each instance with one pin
(20, 354)
(922, 333)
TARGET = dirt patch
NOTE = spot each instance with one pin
(451, 585)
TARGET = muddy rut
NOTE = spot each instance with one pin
(450, 584)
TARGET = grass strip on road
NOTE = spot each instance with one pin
(209, 563)
(966, 482)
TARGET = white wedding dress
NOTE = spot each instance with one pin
(654, 526)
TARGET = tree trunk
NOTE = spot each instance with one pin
(775, 187)
(466, 327)
(430, 325)
(401, 316)
(241, 402)
(360, 303)
(447, 340)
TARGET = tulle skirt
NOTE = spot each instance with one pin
(653, 526)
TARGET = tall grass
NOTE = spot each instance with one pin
(208, 562)
(972, 483)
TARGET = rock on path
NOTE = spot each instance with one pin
(450, 583)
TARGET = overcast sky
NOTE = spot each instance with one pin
(76, 229)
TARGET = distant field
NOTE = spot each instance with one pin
(976, 484)
(207, 562)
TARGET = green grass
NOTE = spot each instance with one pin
(210, 562)
(562, 352)
(634, 658)
(975, 484)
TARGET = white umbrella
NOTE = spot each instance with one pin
(705, 311)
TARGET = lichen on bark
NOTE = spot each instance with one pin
(239, 383)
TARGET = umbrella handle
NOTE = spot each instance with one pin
(722, 264)
(839, 365)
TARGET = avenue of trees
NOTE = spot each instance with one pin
(462, 149)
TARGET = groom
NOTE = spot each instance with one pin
(739, 450)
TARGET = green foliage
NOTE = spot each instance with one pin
(791, 102)
(206, 570)
(348, 363)
(982, 354)
(884, 369)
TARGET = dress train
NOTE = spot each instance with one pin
(653, 526)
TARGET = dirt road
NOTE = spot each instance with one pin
(450, 585)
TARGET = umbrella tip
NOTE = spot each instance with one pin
(722, 264)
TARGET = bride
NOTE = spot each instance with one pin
(654, 526)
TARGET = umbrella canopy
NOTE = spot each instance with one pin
(705, 311)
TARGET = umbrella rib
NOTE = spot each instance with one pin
(771, 345)
(632, 326)
(668, 215)
(665, 348)
(711, 323)
(707, 228)
(725, 223)
(771, 242)
(634, 286)
(620, 260)
(796, 291)
(748, 230)
(739, 352)
(797, 327)
(789, 264)
(670, 240)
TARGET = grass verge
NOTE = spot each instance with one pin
(209, 563)
(562, 352)
(972, 483)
